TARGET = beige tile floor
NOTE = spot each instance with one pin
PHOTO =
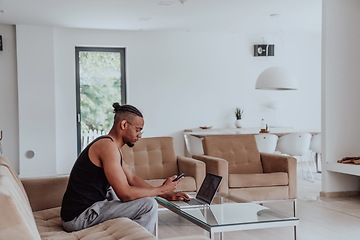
(320, 219)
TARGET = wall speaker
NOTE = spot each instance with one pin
(264, 50)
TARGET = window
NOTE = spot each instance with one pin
(100, 81)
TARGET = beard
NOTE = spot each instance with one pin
(130, 144)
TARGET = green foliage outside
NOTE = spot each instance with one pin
(99, 88)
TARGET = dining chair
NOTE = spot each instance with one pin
(266, 142)
(315, 147)
(193, 145)
(298, 146)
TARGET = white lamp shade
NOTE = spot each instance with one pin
(276, 78)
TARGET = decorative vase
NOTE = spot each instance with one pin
(238, 123)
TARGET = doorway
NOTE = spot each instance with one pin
(100, 81)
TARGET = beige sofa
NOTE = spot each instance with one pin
(30, 209)
(246, 172)
(154, 160)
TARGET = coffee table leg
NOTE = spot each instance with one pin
(294, 207)
(156, 230)
(212, 235)
(295, 233)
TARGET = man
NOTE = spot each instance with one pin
(102, 187)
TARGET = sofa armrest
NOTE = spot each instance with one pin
(279, 163)
(192, 167)
(45, 192)
(216, 166)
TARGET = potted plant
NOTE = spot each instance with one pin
(239, 115)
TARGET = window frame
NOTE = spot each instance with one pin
(123, 93)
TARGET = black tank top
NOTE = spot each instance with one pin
(87, 185)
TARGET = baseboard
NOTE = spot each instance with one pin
(339, 194)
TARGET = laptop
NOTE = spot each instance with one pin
(205, 195)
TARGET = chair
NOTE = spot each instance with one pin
(246, 172)
(315, 147)
(296, 145)
(193, 145)
(266, 142)
(154, 160)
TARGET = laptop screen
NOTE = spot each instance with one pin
(209, 187)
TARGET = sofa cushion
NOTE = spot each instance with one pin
(239, 150)
(187, 184)
(48, 222)
(19, 221)
(49, 225)
(5, 162)
(263, 193)
(258, 180)
(152, 158)
(45, 192)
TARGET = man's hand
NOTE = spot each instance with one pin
(175, 196)
(168, 185)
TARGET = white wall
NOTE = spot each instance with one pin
(178, 80)
(184, 80)
(36, 95)
(341, 85)
(8, 96)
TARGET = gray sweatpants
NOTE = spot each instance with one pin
(143, 211)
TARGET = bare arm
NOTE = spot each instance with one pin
(133, 179)
(137, 181)
(127, 187)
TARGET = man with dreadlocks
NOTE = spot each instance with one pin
(102, 187)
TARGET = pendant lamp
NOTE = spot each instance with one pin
(276, 78)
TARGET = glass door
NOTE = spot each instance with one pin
(100, 81)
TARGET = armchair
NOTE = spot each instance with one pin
(154, 160)
(246, 172)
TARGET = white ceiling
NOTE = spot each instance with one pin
(191, 15)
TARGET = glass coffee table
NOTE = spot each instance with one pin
(228, 213)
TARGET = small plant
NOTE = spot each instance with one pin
(239, 113)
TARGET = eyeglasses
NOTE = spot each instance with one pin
(138, 130)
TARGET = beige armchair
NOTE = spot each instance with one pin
(154, 160)
(246, 172)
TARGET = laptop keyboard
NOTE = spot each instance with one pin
(194, 201)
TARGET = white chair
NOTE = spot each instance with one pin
(266, 142)
(315, 147)
(193, 145)
(297, 145)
